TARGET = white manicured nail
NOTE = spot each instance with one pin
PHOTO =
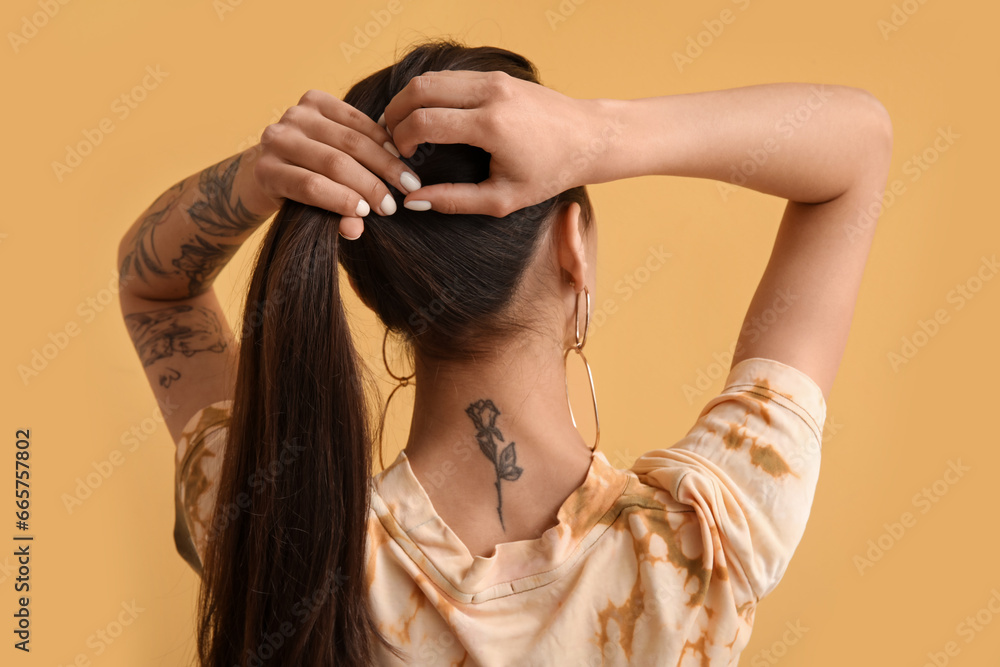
(392, 149)
(349, 238)
(418, 205)
(388, 206)
(381, 119)
(363, 209)
(409, 181)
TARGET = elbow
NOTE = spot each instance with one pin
(879, 123)
(868, 143)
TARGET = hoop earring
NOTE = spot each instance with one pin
(402, 381)
(578, 348)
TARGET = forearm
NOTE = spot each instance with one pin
(181, 242)
(803, 142)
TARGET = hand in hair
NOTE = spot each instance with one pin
(325, 153)
(537, 138)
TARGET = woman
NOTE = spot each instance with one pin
(498, 536)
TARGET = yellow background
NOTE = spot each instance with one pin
(890, 432)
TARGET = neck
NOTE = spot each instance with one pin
(525, 388)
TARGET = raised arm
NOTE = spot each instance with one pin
(824, 148)
(827, 150)
(168, 260)
(175, 249)
(322, 152)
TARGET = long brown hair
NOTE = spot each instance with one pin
(284, 580)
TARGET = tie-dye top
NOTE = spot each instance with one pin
(659, 564)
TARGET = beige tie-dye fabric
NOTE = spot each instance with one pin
(660, 564)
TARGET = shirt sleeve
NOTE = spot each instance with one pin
(198, 465)
(749, 467)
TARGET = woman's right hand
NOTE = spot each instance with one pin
(325, 153)
(538, 139)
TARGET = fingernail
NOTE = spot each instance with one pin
(389, 147)
(388, 206)
(418, 205)
(363, 209)
(349, 238)
(381, 119)
(409, 181)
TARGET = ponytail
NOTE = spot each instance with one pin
(284, 579)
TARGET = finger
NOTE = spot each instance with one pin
(342, 168)
(308, 187)
(351, 227)
(342, 113)
(444, 126)
(466, 74)
(451, 89)
(480, 198)
(379, 160)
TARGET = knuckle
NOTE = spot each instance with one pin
(270, 134)
(420, 118)
(333, 161)
(351, 140)
(310, 96)
(421, 84)
(310, 188)
(353, 115)
(293, 114)
(499, 82)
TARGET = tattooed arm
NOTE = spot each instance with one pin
(167, 261)
(323, 152)
(181, 242)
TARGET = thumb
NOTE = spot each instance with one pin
(478, 198)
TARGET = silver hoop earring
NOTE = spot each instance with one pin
(578, 348)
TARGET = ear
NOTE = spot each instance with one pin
(571, 247)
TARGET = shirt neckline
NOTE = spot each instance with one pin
(405, 510)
